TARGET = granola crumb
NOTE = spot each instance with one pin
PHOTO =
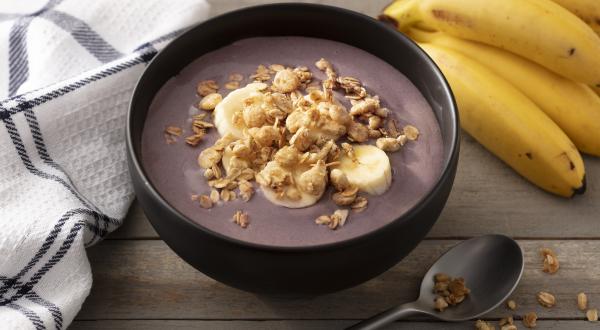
(210, 101)
(232, 85)
(411, 132)
(592, 315)
(241, 219)
(582, 301)
(214, 196)
(236, 77)
(206, 202)
(506, 321)
(452, 290)
(511, 304)
(171, 134)
(206, 87)
(551, 263)
(483, 325)
(360, 204)
(440, 304)
(546, 299)
(529, 320)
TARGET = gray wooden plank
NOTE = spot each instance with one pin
(488, 197)
(293, 325)
(146, 280)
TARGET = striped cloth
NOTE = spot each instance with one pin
(68, 69)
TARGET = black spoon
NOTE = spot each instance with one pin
(491, 265)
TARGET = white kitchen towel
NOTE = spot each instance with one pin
(67, 70)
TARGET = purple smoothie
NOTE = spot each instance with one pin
(175, 174)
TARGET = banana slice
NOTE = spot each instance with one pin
(370, 171)
(232, 103)
(294, 197)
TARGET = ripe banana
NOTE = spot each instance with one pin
(231, 104)
(539, 30)
(587, 10)
(596, 89)
(369, 169)
(510, 125)
(573, 106)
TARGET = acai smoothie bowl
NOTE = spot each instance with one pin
(292, 149)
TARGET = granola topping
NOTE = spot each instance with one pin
(293, 131)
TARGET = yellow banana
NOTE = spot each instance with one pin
(539, 30)
(587, 10)
(596, 89)
(573, 106)
(510, 125)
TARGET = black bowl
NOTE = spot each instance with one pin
(306, 270)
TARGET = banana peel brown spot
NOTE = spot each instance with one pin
(529, 155)
(572, 51)
(450, 17)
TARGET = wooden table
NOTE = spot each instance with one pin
(139, 283)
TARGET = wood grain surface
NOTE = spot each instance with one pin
(139, 283)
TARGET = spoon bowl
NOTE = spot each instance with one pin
(491, 265)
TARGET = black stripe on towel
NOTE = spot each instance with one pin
(54, 310)
(31, 315)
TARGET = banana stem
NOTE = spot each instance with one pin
(401, 13)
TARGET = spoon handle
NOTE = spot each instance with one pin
(386, 317)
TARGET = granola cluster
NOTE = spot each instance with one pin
(291, 128)
(450, 291)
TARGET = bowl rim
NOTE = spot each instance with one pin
(411, 46)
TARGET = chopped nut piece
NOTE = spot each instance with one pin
(546, 299)
(241, 219)
(194, 197)
(483, 325)
(206, 202)
(592, 315)
(582, 301)
(508, 327)
(382, 112)
(411, 132)
(360, 204)
(210, 101)
(236, 77)
(440, 304)
(232, 85)
(388, 144)
(511, 304)
(214, 196)
(207, 87)
(529, 320)
(551, 263)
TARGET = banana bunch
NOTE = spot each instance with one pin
(529, 93)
